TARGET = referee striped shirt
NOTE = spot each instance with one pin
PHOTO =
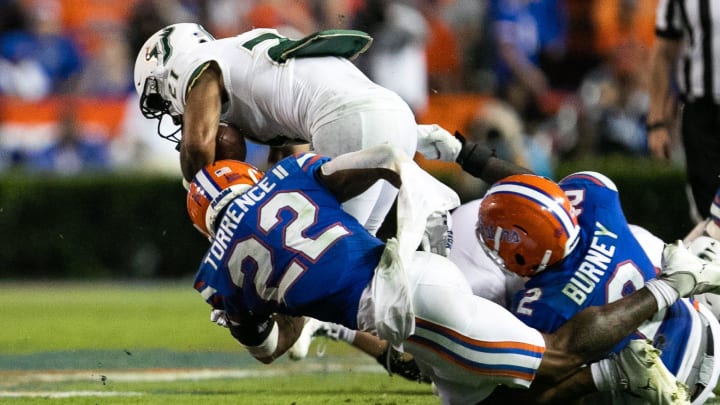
(697, 24)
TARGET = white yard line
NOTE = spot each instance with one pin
(66, 394)
(10, 379)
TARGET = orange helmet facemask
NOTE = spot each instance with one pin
(214, 187)
(526, 223)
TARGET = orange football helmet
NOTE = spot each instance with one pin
(214, 187)
(526, 223)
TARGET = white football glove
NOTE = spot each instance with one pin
(687, 273)
(434, 142)
(643, 373)
(219, 317)
(438, 236)
(706, 248)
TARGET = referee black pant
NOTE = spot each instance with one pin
(701, 139)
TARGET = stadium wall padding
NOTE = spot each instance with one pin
(130, 226)
(96, 227)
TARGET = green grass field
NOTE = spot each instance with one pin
(135, 343)
(128, 343)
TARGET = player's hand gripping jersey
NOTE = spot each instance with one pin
(607, 264)
(282, 211)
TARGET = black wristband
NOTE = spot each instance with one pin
(473, 157)
(655, 125)
(252, 334)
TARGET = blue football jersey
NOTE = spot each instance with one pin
(607, 264)
(287, 246)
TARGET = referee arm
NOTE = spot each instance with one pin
(660, 112)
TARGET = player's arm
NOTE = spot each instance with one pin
(200, 121)
(266, 338)
(571, 346)
(576, 386)
(278, 153)
(592, 333)
(480, 161)
(660, 110)
(352, 173)
(586, 337)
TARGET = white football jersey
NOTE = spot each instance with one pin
(275, 102)
(486, 278)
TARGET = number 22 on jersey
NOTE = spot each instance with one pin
(294, 238)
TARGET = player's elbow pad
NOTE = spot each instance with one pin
(474, 157)
(267, 347)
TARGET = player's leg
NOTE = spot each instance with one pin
(467, 345)
(362, 130)
(707, 377)
(395, 362)
(366, 342)
(395, 127)
(702, 154)
(364, 205)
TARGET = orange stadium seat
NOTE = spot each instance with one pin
(104, 114)
(86, 19)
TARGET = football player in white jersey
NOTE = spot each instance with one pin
(279, 92)
(486, 278)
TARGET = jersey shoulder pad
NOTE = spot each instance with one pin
(589, 178)
(309, 160)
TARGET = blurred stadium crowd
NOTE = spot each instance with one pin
(550, 79)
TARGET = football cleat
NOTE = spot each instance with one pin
(312, 328)
(647, 377)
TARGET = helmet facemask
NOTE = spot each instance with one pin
(154, 106)
(491, 253)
